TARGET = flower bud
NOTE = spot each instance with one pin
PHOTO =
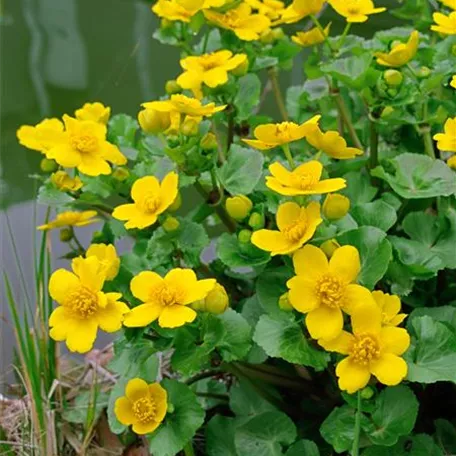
(387, 111)
(335, 206)
(172, 87)
(277, 33)
(152, 121)
(244, 236)
(367, 393)
(66, 183)
(190, 126)
(66, 234)
(267, 37)
(238, 207)
(256, 221)
(424, 72)
(170, 224)
(170, 408)
(329, 247)
(241, 69)
(121, 174)
(284, 303)
(453, 49)
(98, 238)
(176, 204)
(48, 165)
(208, 141)
(165, 23)
(216, 301)
(393, 77)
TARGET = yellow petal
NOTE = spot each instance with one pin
(352, 376)
(198, 291)
(302, 294)
(142, 315)
(160, 396)
(110, 318)
(312, 168)
(287, 213)
(394, 340)
(215, 77)
(136, 389)
(280, 173)
(144, 283)
(260, 145)
(366, 318)
(64, 155)
(145, 186)
(175, 316)
(112, 153)
(61, 283)
(123, 411)
(168, 190)
(354, 296)
(311, 262)
(330, 185)
(389, 369)
(93, 165)
(145, 428)
(345, 263)
(90, 272)
(341, 344)
(81, 335)
(324, 323)
(271, 241)
(126, 212)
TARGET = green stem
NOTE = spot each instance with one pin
(317, 24)
(277, 93)
(188, 449)
(355, 447)
(230, 135)
(427, 139)
(373, 157)
(343, 111)
(343, 36)
(80, 246)
(287, 152)
(202, 376)
(206, 40)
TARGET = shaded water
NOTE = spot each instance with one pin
(57, 55)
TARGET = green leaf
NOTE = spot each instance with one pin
(359, 188)
(418, 445)
(374, 249)
(377, 213)
(394, 416)
(265, 435)
(247, 95)
(229, 252)
(338, 429)
(77, 413)
(220, 436)
(99, 185)
(122, 130)
(303, 448)
(245, 400)
(432, 353)
(50, 196)
(180, 425)
(446, 435)
(417, 176)
(242, 171)
(236, 340)
(281, 336)
(270, 286)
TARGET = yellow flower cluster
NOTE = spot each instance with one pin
(446, 141)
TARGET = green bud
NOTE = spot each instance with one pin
(393, 78)
(238, 207)
(277, 33)
(241, 69)
(165, 23)
(176, 204)
(424, 72)
(367, 393)
(170, 224)
(284, 303)
(329, 247)
(256, 221)
(48, 165)
(173, 141)
(392, 92)
(453, 49)
(208, 142)
(387, 111)
(190, 126)
(66, 234)
(121, 174)
(172, 87)
(244, 236)
(170, 408)
(217, 300)
(335, 206)
(98, 237)
(267, 37)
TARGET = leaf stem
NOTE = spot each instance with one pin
(373, 152)
(425, 132)
(343, 111)
(343, 36)
(188, 449)
(273, 76)
(287, 152)
(202, 376)
(355, 447)
(317, 24)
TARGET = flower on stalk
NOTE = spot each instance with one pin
(335, 206)
(269, 136)
(401, 53)
(42, 136)
(296, 225)
(304, 180)
(106, 254)
(323, 289)
(208, 69)
(332, 144)
(71, 218)
(355, 10)
(166, 299)
(238, 207)
(153, 121)
(311, 37)
(446, 141)
(445, 24)
(246, 25)
(371, 350)
(216, 301)
(66, 183)
(83, 145)
(183, 10)
(95, 112)
(143, 406)
(390, 306)
(300, 9)
(150, 199)
(83, 307)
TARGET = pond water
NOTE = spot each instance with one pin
(55, 56)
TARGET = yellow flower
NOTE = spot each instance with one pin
(183, 10)
(152, 121)
(303, 8)
(241, 21)
(335, 206)
(332, 144)
(390, 306)
(273, 135)
(96, 112)
(150, 199)
(445, 24)
(216, 301)
(447, 141)
(297, 225)
(42, 136)
(452, 162)
(355, 10)
(304, 180)
(311, 37)
(371, 350)
(83, 145)
(322, 289)
(401, 53)
(270, 8)
(238, 207)
(83, 307)
(107, 257)
(71, 218)
(167, 298)
(453, 82)
(65, 182)
(449, 3)
(209, 69)
(143, 406)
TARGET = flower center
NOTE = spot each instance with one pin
(150, 204)
(84, 144)
(330, 291)
(296, 230)
(365, 349)
(232, 18)
(166, 295)
(283, 131)
(353, 10)
(144, 409)
(209, 62)
(304, 181)
(82, 303)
